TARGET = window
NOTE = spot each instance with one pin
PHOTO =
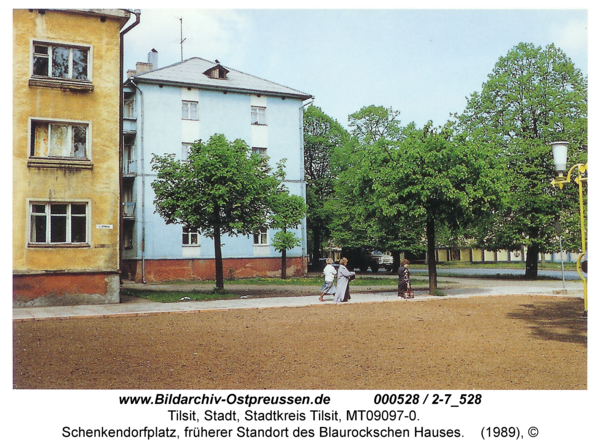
(218, 73)
(189, 110)
(129, 108)
(128, 201)
(258, 115)
(260, 238)
(262, 151)
(190, 236)
(185, 151)
(61, 61)
(128, 227)
(57, 139)
(129, 164)
(58, 223)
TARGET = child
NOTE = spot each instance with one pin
(404, 289)
(329, 272)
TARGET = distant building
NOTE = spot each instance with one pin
(168, 109)
(66, 199)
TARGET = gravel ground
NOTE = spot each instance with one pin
(498, 342)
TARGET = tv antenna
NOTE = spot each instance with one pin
(181, 36)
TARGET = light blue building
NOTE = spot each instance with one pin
(166, 110)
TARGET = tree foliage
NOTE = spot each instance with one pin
(221, 189)
(534, 96)
(288, 212)
(373, 123)
(399, 193)
(322, 135)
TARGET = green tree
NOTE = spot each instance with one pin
(322, 135)
(400, 193)
(533, 96)
(359, 220)
(221, 189)
(374, 123)
(288, 212)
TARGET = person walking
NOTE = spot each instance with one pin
(404, 289)
(342, 294)
(328, 286)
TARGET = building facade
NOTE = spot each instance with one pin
(165, 111)
(66, 156)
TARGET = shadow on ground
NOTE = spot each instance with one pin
(560, 321)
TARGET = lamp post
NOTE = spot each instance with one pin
(559, 151)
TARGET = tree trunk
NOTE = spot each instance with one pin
(283, 264)
(396, 264)
(316, 248)
(431, 264)
(531, 263)
(218, 260)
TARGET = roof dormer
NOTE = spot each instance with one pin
(217, 72)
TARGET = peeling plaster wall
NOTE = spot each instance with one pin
(65, 289)
(160, 270)
(97, 183)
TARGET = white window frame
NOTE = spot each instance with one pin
(258, 115)
(189, 232)
(69, 216)
(70, 123)
(262, 151)
(185, 151)
(52, 46)
(129, 161)
(129, 108)
(189, 110)
(261, 238)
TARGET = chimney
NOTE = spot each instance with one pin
(143, 67)
(153, 59)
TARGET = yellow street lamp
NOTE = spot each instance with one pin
(559, 151)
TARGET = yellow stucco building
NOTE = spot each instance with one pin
(66, 156)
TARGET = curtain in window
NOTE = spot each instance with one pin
(60, 62)
(79, 140)
(40, 140)
(59, 141)
(80, 60)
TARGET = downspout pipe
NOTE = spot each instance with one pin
(142, 174)
(303, 189)
(137, 14)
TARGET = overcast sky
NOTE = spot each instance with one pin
(420, 62)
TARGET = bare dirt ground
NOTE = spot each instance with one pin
(502, 342)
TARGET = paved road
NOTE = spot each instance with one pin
(452, 287)
(569, 275)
